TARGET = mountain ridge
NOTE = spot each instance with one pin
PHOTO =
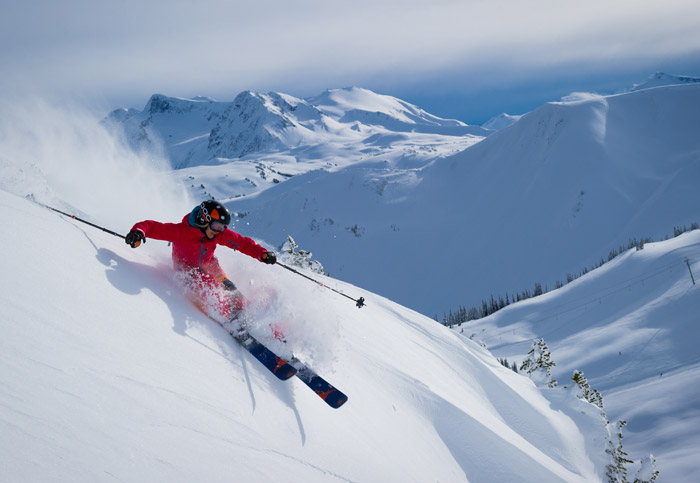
(201, 130)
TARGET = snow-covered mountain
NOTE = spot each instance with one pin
(658, 79)
(661, 79)
(109, 373)
(342, 174)
(499, 122)
(551, 195)
(202, 131)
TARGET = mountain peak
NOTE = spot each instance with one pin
(199, 130)
(660, 79)
(338, 102)
(160, 103)
(501, 121)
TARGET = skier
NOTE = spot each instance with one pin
(194, 240)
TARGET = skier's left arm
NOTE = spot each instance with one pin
(247, 246)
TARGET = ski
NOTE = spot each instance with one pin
(323, 389)
(284, 369)
(274, 363)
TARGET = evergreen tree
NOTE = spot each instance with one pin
(587, 393)
(540, 360)
(301, 258)
(616, 471)
(504, 362)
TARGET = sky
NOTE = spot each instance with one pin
(463, 59)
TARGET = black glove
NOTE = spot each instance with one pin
(269, 258)
(134, 238)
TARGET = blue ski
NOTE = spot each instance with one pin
(284, 369)
(323, 389)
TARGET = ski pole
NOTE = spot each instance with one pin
(359, 302)
(82, 221)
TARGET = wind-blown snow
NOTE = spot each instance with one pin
(63, 155)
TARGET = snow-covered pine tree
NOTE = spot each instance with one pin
(513, 367)
(587, 393)
(616, 471)
(301, 258)
(540, 361)
(647, 472)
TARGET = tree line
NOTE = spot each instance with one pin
(495, 303)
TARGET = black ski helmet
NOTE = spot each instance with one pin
(210, 211)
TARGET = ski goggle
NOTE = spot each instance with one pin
(217, 226)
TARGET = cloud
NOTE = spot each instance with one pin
(213, 47)
(63, 156)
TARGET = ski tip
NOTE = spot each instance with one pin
(335, 398)
(340, 402)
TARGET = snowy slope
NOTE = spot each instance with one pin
(501, 121)
(109, 373)
(632, 327)
(551, 194)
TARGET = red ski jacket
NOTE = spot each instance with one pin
(192, 249)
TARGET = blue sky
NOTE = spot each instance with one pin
(464, 59)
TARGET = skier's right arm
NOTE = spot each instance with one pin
(150, 229)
